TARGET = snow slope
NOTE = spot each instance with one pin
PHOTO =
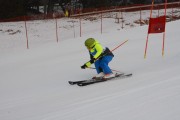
(34, 82)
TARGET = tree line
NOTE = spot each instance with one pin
(15, 8)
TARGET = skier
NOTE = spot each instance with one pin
(100, 57)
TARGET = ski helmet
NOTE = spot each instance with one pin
(90, 42)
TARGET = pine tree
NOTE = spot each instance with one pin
(12, 8)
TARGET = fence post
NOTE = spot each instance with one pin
(56, 30)
(73, 28)
(122, 19)
(140, 18)
(26, 32)
(80, 25)
(101, 22)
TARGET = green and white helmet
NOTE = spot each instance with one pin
(90, 42)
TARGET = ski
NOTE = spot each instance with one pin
(89, 82)
(92, 81)
(76, 82)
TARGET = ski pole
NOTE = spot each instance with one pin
(111, 69)
(112, 49)
(119, 45)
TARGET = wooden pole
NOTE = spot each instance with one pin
(27, 43)
(101, 23)
(56, 30)
(80, 25)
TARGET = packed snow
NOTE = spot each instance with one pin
(34, 82)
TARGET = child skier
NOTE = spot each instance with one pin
(100, 57)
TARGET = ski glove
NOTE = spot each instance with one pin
(83, 66)
(88, 64)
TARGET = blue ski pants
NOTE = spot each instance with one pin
(102, 65)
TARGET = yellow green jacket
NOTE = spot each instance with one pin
(98, 51)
